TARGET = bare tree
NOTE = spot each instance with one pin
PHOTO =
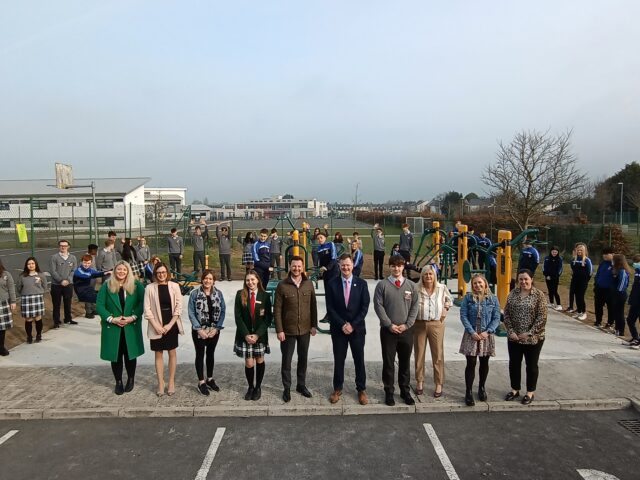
(535, 172)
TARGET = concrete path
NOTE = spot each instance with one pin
(63, 376)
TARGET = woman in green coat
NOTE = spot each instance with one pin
(253, 317)
(120, 306)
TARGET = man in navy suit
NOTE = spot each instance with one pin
(347, 300)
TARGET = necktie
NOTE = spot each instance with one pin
(253, 305)
(398, 283)
(347, 292)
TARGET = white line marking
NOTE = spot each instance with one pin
(211, 453)
(442, 455)
(7, 436)
(589, 474)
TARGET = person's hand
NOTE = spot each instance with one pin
(376, 225)
(394, 329)
(203, 334)
(347, 329)
(523, 337)
(548, 278)
(281, 336)
(159, 329)
(271, 269)
(323, 269)
(314, 330)
(484, 335)
(514, 337)
(64, 283)
(181, 257)
(213, 332)
(476, 337)
(13, 307)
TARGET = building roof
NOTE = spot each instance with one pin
(47, 188)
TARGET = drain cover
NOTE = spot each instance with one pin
(632, 425)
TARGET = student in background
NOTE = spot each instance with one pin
(634, 306)
(619, 294)
(275, 251)
(377, 235)
(262, 257)
(552, 269)
(406, 243)
(175, 248)
(358, 258)
(31, 287)
(529, 257)
(603, 287)
(224, 251)
(83, 284)
(581, 270)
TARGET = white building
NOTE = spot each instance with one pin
(280, 205)
(120, 203)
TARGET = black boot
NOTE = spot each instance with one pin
(28, 327)
(38, 331)
(3, 351)
(468, 399)
(482, 394)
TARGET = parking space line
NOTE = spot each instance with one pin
(442, 455)
(7, 436)
(211, 453)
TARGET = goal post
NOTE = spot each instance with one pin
(64, 176)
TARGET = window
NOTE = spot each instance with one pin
(5, 206)
(5, 223)
(104, 203)
(106, 222)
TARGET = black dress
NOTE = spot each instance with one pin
(168, 341)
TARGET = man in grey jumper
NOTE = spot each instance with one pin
(197, 240)
(275, 251)
(224, 251)
(62, 266)
(175, 246)
(107, 257)
(396, 302)
(406, 243)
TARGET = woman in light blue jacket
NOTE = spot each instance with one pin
(480, 316)
(206, 312)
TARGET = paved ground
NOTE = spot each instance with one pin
(540, 445)
(63, 376)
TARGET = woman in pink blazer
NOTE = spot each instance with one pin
(162, 309)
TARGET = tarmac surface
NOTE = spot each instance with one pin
(581, 368)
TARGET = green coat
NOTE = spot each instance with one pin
(108, 305)
(262, 318)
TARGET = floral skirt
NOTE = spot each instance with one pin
(473, 348)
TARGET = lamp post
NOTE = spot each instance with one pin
(621, 198)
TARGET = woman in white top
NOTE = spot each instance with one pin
(435, 301)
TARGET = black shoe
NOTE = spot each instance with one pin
(468, 399)
(90, 316)
(482, 394)
(510, 396)
(129, 386)
(388, 399)
(202, 387)
(257, 393)
(29, 340)
(56, 325)
(228, 279)
(408, 399)
(249, 394)
(286, 395)
(4, 352)
(304, 391)
(526, 400)
(71, 322)
(212, 385)
(38, 338)
(119, 390)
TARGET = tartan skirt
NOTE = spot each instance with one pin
(6, 319)
(32, 305)
(137, 268)
(244, 350)
(247, 257)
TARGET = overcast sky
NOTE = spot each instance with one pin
(246, 99)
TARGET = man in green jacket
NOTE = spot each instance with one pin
(296, 316)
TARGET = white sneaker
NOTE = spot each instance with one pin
(559, 308)
(582, 316)
(551, 305)
(575, 315)
(570, 310)
(635, 347)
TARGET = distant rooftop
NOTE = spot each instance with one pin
(46, 187)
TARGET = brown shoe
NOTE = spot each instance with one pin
(335, 396)
(362, 397)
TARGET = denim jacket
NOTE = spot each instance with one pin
(490, 314)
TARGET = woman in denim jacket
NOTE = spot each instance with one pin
(480, 316)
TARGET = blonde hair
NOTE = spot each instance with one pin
(575, 252)
(129, 283)
(429, 268)
(485, 293)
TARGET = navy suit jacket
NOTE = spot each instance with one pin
(355, 312)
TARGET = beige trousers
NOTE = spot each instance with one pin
(432, 332)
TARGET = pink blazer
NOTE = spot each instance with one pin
(152, 307)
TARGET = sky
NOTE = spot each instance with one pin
(241, 99)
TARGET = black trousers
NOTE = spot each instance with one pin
(287, 348)
(341, 344)
(602, 297)
(531, 354)
(175, 262)
(632, 318)
(616, 314)
(198, 261)
(378, 264)
(578, 288)
(401, 345)
(264, 276)
(204, 347)
(123, 356)
(59, 295)
(552, 287)
(225, 266)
